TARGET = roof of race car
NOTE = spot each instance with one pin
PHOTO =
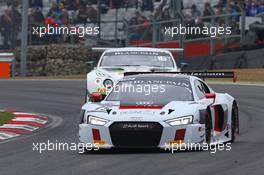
(148, 49)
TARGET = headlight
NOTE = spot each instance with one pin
(180, 121)
(108, 83)
(96, 120)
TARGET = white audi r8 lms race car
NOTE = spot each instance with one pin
(115, 61)
(154, 109)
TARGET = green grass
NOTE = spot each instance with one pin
(5, 117)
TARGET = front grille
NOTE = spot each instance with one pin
(135, 134)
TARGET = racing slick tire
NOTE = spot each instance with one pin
(208, 127)
(234, 123)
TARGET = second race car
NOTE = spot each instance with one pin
(115, 61)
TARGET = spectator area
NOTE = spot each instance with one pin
(128, 11)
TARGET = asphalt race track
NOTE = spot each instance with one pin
(64, 99)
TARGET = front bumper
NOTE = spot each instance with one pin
(159, 135)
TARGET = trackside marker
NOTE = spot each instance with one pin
(2, 138)
(26, 123)
(29, 120)
(15, 130)
(31, 116)
(8, 134)
(25, 127)
(22, 114)
(23, 123)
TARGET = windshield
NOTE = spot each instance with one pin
(151, 92)
(129, 58)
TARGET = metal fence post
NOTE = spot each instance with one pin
(227, 21)
(243, 25)
(154, 33)
(23, 59)
(182, 40)
(116, 26)
(99, 17)
(126, 28)
(181, 37)
(13, 68)
(212, 40)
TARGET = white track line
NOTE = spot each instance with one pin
(28, 119)
(8, 135)
(23, 113)
(29, 115)
(2, 138)
(16, 126)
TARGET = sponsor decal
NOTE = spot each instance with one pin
(101, 90)
(137, 126)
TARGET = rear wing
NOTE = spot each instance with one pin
(202, 75)
(102, 49)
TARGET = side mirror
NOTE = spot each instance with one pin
(90, 63)
(210, 96)
(96, 97)
(184, 65)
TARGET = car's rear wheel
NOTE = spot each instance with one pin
(208, 128)
(234, 123)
